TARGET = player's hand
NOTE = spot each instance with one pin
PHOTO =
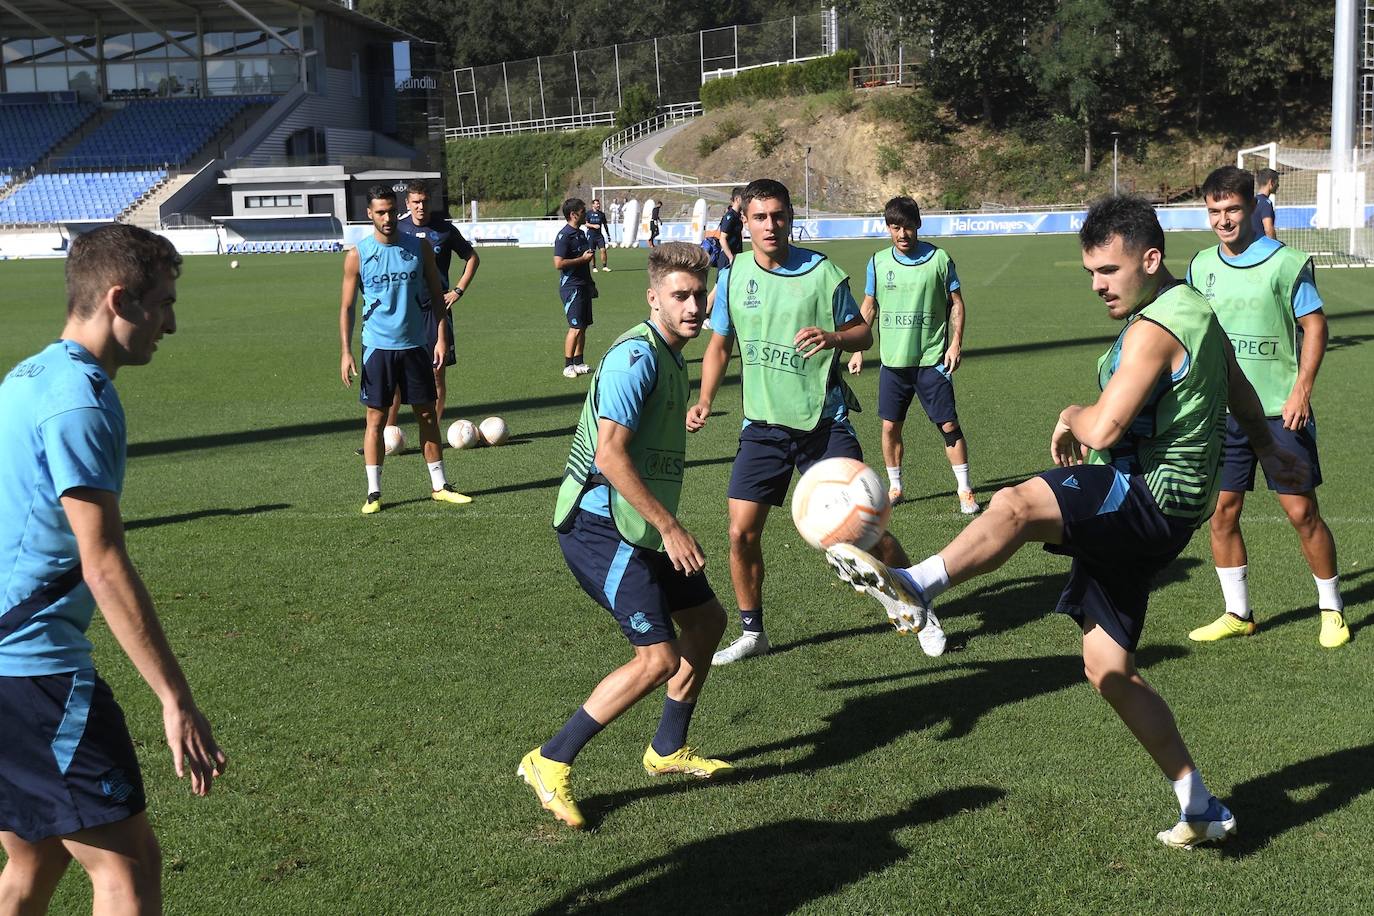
(953, 357)
(856, 364)
(348, 370)
(697, 416)
(1287, 469)
(589, 255)
(440, 352)
(683, 550)
(1065, 450)
(451, 298)
(810, 341)
(193, 747)
(1297, 410)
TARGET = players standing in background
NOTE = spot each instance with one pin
(572, 255)
(1265, 296)
(618, 529)
(792, 311)
(445, 240)
(70, 786)
(596, 234)
(655, 223)
(616, 209)
(392, 268)
(1264, 221)
(921, 342)
(1153, 442)
(731, 230)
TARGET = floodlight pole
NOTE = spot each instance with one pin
(546, 189)
(1116, 185)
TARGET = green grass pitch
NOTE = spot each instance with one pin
(375, 680)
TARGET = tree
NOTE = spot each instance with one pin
(1074, 56)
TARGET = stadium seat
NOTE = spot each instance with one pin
(27, 132)
(61, 196)
(154, 132)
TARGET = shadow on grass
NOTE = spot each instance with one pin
(156, 521)
(776, 868)
(1267, 808)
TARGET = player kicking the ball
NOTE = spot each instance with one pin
(617, 526)
(922, 322)
(1153, 443)
(391, 267)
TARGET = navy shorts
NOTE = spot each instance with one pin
(1238, 461)
(66, 761)
(767, 455)
(432, 335)
(931, 384)
(577, 306)
(638, 586)
(595, 239)
(1119, 541)
(387, 371)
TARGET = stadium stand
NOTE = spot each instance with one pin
(156, 132)
(63, 196)
(284, 247)
(27, 132)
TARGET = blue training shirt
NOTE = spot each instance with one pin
(1264, 209)
(628, 373)
(392, 280)
(1306, 299)
(444, 238)
(596, 221)
(63, 428)
(924, 252)
(799, 261)
(572, 243)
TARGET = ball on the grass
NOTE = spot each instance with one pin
(463, 434)
(494, 430)
(840, 501)
(233, 265)
(394, 440)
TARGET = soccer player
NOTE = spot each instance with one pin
(572, 254)
(616, 209)
(70, 785)
(1263, 220)
(731, 229)
(655, 224)
(1265, 296)
(439, 233)
(922, 322)
(1153, 443)
(596, 234)
(392, 268)
(792, 311)
(618, 528)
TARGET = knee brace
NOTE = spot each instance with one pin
(953, 436)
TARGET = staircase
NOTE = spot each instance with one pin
(147, 211)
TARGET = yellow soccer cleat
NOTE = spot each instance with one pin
(1215, 825)
(373, 504)
(1224, 627)
(1334, 631)
(449, 495)
(550, 781)
(687, 761)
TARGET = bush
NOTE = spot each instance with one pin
(890, 159)
(824, 74)
(725, 130)
(512, 167)
(842, 101)
(768, 137)
(637, 103)
(915, 113)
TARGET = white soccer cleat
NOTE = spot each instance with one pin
(932, 636)
(746, 646)
(894, 589)
(582, 368)
(1214, 825)
(569, 372)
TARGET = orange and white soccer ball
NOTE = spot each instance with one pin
(393, 440)
(463, 434)
(840, 501)
(494, 430)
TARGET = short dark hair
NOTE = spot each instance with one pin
(736, 192)
(1230, 180)
(765, 189)
(380, 192)
(572, 205)
(596, 200)
(1129, 218)
(417, 186)
(904, 212)
(1266, 176)
(116, 255)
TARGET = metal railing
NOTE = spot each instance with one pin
(613, 146)
(535, 125)
(882, 75)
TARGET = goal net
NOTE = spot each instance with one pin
(1327, 215)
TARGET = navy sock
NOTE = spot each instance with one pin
(672, 728)
(752, 621)
(575, 733)
(569, 360)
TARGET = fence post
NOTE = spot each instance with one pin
(577, 82)
(617, 75)
(794, 37)
(505, 79)
(658, 78)
(543, 108)
(458, 98)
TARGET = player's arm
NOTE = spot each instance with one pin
(614, 461)
(128, 609)
(349, 296)
(1269, 229)
(954, 354)
(851, 332)
(1297, 410)
(470, 265)
(713, 364)
(1283, 466)
(868, 310)
(437, 301)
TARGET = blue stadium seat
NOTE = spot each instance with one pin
(155, 132)
(76, 195)
(27, 132)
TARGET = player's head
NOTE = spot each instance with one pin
(677, 289)
(903, 218)
(767, 209)
(127, 276)
(417, 202)
(596, 203)
(1266, 181)
(736, 197)
(1123, 252)
(381, 209)
(1229, 194)
(575, 211)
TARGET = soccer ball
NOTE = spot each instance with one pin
(494, 430)
(840, 501)
(462, 434)
(233, 265)
(394, 440)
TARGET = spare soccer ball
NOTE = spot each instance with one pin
(494, 430)
(394, 440)
(233, 265)
(840, 501)
(462, 434)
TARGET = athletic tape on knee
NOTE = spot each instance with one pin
(953, 436)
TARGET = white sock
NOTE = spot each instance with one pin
(1329, 593)
(894, 478)
(961, 475)
(436, 474)
(930, 575)
(1236, 590)
(374, 478)
(1192, 793)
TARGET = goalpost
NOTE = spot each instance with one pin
(1320, 211)
(682, 196)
